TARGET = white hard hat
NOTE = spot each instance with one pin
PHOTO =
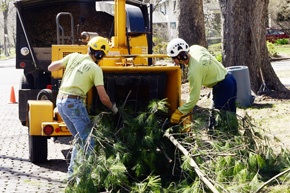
(176, 46)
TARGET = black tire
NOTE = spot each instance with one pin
(45, 94)
(24, 85)
(37, 148)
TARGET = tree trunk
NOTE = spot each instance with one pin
(244, 42)
(190, 26)
(5, 16)
(4, 7)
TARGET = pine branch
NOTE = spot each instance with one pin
(216, 154)
(192, 163)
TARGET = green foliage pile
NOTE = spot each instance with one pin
(129, 155)
(240, 162)
(132, 154)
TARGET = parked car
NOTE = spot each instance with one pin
(273, 34)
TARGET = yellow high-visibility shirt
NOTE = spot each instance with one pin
(80, 75)
(203, 70)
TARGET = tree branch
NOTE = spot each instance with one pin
(192, 163)
(277, 176)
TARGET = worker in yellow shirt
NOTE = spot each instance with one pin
(81, 74)
(203, 70)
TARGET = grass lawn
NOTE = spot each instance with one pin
(283, 49)
(11, 54)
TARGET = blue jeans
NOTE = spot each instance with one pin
(224, 98)
(225, 94)
(75, 115)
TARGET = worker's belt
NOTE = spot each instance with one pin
(69, 97)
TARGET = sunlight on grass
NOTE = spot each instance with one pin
(215, 49)
(11, 54)
(274, 118)
(283, 49)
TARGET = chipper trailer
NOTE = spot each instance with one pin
(49, 30)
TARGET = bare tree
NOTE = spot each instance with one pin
(244, 42)
(4, 5)
(212, 18)
(190, 18)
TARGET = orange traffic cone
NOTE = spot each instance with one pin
(12, 96)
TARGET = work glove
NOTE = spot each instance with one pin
(175, 117)
(114, 109)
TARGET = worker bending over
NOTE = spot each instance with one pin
(203, 70)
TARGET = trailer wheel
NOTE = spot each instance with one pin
(37, 147)
(44, 94)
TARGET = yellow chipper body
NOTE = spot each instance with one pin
(127, 76)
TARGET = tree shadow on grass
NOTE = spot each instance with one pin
(261, 106)
(277, 95)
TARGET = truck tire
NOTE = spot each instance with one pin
(45, 94)
(37, 148)
(23, 85)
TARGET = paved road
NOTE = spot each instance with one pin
(283, 65)
(17, 173)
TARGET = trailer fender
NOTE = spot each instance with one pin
(39, 111)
